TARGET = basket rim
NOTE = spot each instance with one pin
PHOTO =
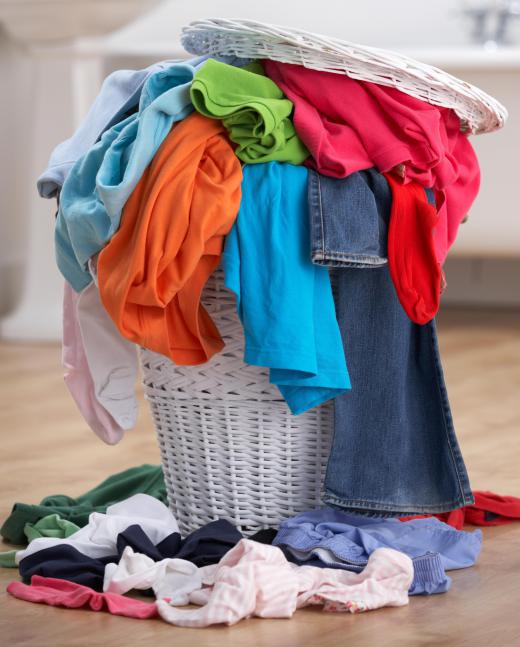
(480, 111)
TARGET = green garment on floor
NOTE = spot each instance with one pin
(50, 526)
(253, 109)
(7, 559)
(147, 479)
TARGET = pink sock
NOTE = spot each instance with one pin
(61, 593)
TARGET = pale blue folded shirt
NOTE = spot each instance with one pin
(119, 94)
(101, 181)
(284, 301)
(337, 539)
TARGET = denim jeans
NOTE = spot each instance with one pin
(394, 450)
(349, 219)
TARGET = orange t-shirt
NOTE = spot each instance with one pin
(151, 274)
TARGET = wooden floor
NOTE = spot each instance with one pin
(46, 448)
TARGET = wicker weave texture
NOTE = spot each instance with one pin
(478, 111)
(230, 447)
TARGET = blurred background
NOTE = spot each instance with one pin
(55, 53)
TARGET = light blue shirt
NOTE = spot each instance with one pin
(119, 94)
(339, 539)
(165, 99)
(285, 302)
(100, 182)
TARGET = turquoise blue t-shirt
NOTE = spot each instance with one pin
(284, 301)
(99, 184)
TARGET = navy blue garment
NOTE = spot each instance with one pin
(67, 563)
(335, 539)
(264, 536)
(204, 546)
(209, 543)
(64, 562)
(135, 537)
(394, 451)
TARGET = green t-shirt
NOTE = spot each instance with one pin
(254, 110)
(147, 479)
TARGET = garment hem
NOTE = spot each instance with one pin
(338, 259)
(374, 509)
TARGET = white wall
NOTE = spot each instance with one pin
(381, 23)
(14, 116)
(394, 24)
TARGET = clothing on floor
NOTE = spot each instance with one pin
(256, 579)
(252, 108)
(152, 272)
(8, 559)
(50, 526)
(65, 562)
(60, 593)
(208, 544)
(99, 537)
(205, 546)
(100, 183)
(489, 509)
(334, 538)
(264, 536)
(174, 578)
(350, 125)
(429, 576)
(285, 302)
(413, 265)
(147, 479)
(401, 455)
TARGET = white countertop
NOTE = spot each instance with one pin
(468, 58)
(451, 58)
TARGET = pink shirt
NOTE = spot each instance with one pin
(350, 125)
(61, 593)
(255, 579)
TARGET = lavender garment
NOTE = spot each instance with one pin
(118, 96)
(329, 537)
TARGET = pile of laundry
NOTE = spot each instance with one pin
(130, 541)
(281, 175)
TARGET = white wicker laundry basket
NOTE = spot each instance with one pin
(230, 447)
(479, 112)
